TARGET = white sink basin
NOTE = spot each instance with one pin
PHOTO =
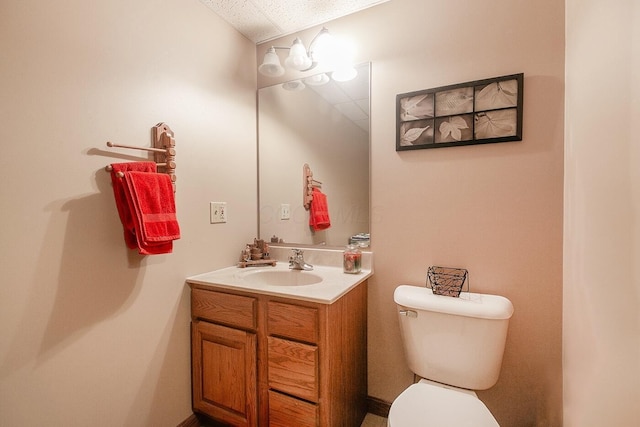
(325, 284)
(281, 278)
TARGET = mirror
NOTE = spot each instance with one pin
(325, 126)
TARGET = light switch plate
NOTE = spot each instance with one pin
(285, 211)
(218, 212)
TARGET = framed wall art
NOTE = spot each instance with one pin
(478, 112)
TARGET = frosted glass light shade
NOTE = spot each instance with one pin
(271, 66)
(344, 74)
(295, 85)
(322, 46)
(298, 58)
(317, 80)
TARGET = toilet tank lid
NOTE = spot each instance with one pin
(469, 304)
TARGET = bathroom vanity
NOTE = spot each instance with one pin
(265, 354)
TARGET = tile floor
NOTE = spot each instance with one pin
(374, 421)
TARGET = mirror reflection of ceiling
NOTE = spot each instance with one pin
(351, 98)
(263, 20)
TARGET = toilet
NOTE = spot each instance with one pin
(455, 345)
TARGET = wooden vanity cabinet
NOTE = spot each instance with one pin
(260, 360)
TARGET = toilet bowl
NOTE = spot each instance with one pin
(431, 404)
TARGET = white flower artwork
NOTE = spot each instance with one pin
(477, 112)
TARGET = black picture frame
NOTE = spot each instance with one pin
(478, 112)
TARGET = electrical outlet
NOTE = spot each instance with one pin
(285, 211)
(218, 212)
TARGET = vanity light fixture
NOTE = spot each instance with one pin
(322, 49)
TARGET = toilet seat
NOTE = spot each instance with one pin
(426, 404)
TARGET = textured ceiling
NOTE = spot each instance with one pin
(262, 20)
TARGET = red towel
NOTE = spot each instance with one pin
(121, 198)
(153, 209)
(319, 211)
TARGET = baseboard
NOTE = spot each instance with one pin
(378, 407)
(200, 420)
(191, 421)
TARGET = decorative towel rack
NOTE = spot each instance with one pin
(307, 186)
(164, 150)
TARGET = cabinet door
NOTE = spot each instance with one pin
(224, 373)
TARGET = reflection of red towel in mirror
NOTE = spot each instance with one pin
(319, 211)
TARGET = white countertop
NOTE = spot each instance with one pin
(334, 284)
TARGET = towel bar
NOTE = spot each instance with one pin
(308, 183)
(155, 150)
(163, 150)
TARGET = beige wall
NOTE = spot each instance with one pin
(494, 209)
(91, 334)
(602, 215)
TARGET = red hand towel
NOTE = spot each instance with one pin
(152, 204)
(121, 199)
(319, 211)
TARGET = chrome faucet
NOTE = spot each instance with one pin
(297, 262)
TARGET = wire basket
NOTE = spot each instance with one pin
(447, 281)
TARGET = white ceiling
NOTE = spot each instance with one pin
(262, 20)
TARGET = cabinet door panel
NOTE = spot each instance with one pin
(293, 368)
(224, 373)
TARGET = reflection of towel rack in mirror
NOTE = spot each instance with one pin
(163, 149)
(307, 186)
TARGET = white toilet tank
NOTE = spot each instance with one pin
(455, 341)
